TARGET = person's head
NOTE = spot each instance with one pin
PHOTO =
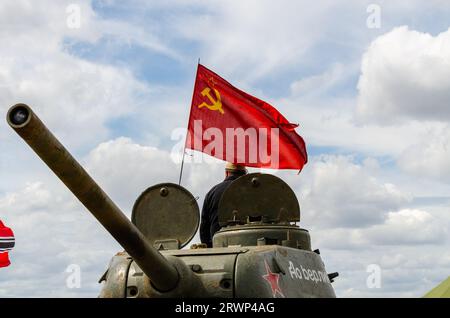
(232, 169)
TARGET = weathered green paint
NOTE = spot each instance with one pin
(255, 196)
(115, 277)
(238, 272)
(263, 234)
(166, 211)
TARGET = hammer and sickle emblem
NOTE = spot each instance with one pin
(216, 104)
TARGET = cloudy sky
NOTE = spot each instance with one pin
(369, 85)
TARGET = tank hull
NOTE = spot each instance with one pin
(269, 271)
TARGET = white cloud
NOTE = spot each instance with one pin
(52, 231)
(125, 169)
(115, 161)
(340, 193)
(408, 226)
(405, 74)
(410, 247)
(430, 156)
(319, 83)
(70, 93)
(254, 38)
(405, 80)
(405, 272)
(405, 227)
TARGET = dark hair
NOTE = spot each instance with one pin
(237, 172)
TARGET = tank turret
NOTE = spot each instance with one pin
(260, 250)
(260, 209)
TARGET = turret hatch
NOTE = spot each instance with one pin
(167, 214)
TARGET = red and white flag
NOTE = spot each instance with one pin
(7, 243)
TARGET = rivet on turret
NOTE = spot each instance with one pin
(235, 213)
(163, 192)
(255, 182)
(196, 268)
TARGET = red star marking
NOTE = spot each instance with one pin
(272, 279)
(212, 82)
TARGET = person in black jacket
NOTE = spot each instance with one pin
(210, 222)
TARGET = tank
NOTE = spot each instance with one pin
(260, 250)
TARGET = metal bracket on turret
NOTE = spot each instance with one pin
(161, 245)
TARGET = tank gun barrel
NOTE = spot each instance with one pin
(164, 276)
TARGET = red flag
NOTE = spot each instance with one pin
(7, 242)
(232, 125)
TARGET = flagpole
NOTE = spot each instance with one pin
(189, 119)
(182, 164)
